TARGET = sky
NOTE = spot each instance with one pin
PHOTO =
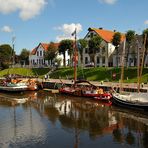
(26, 23)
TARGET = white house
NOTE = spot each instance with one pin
(36, 57)
(104, 56)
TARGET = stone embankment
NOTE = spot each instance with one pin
(53, 83)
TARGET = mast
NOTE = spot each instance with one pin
(122, 64)
(75, 55)
(140, 65)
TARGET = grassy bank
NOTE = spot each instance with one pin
(101, 74)
(93, 74)
(39, 72)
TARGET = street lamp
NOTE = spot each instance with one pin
(13, 53)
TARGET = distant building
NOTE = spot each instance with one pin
(37, 59)
(106, 55)
(133, 56)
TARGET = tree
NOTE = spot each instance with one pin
(66, 45)
(130, 35)
(116, 42)
(94, 44)
(51, 52)
(82, 44)
(145, 34)
(6, 53)
(24, 56)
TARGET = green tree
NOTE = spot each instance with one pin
(51, 52)
(130, 35)
(82, 44)
(94, 44)
(24, 56)
(66, 45)
(145, 34)
(6, 53)
(116, 42)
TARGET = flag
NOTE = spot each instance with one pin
(74, 33)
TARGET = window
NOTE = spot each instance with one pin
(40, 53)
(103, 50)
(86, 50)
(103, 60)
(37, 53)
(39, 61)
(86, 60)
(98, 50)
(43, 61)
(98, 60)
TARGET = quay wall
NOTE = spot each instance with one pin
(129, 87)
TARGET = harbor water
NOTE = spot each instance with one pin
(59, 121)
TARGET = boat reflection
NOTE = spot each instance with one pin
(77, 113)
(13, 99)
(135, 131)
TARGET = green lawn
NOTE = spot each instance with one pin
(93, 74)
(101, 74)
(25, 71)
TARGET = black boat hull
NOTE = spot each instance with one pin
(128, 104)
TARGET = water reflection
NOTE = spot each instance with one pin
(62, 121)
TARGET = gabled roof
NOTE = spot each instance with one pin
(106, 35)
(45, 47)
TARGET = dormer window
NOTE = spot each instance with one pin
(91, 34)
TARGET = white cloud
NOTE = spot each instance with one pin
(27, 8)
(67, 30)
(146, 22)
(110, 2)
(6, 29)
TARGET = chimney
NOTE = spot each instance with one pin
(101, 28)
(114, 30)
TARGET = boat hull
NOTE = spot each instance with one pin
(106, 97)
(129, 104)
(13, 89)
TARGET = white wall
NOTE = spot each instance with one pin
(60, 56)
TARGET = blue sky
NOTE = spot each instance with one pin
(35, 21)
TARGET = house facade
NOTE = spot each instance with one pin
(133, 53)
(37, 58)
(104, 56)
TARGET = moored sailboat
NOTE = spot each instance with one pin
(138, 100)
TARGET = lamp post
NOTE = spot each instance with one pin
(13, 52)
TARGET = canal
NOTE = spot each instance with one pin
(60, 121)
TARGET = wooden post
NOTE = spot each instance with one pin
(122, 66)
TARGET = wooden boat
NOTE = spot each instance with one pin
(12, 87)
(16, 84)
(137, 100)
(82, 90)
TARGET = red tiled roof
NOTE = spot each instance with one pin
(106, 35)
(45, 47)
